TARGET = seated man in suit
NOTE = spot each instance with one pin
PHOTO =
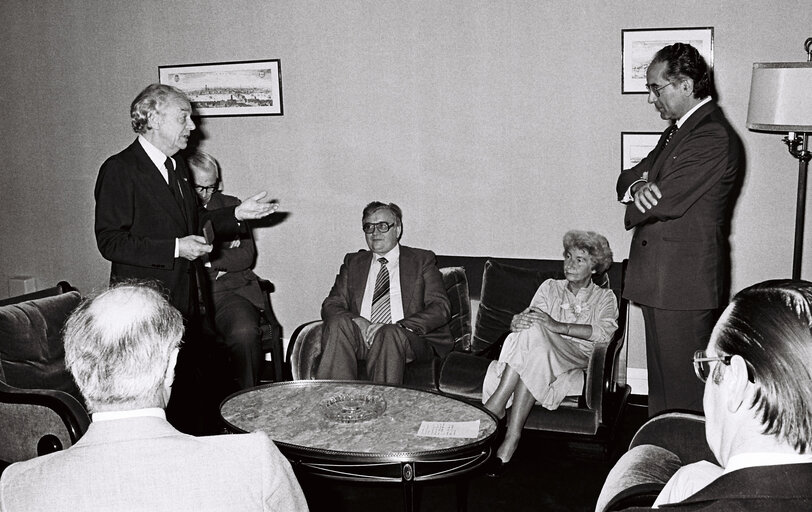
(236, 295)
(121, 348)
(757, 371)
(388, 306)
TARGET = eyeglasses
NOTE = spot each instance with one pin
(701, 366)
(656, 90)
(382, 227)
(203, 189)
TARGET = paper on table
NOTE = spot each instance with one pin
(449, 429)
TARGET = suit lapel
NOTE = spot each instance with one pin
(155, 185)
(686, 128)
(359, 274)
(408, 276)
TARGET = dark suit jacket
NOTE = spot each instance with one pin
(426, 308)
(236, 262)
(766, 489)
(679, 253)
(138, 220)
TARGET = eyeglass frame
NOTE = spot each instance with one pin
(701, 357)
(213, 188)
(377, 226)
(656, 90)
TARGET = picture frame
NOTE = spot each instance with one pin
(635, 146)
(245, 88)
(640, 44)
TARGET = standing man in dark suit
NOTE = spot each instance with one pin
(678, 202)
(236, 295)
(148, 221)
(388, 306)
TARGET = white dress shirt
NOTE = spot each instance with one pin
(395, 297)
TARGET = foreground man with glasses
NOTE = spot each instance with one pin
(678, 200)
(388, 306)
(757, 371)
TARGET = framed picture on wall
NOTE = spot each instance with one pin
(635, 146)
(248, 88)
(640, 44)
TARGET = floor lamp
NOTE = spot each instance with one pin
(781, 101)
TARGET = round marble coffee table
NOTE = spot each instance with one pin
(359, 431)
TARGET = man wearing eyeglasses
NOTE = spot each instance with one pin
(679, 200)
(757, 375)
(388, 306)
(236, 295)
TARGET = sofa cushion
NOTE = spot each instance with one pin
(506, 290)
(32, 352)
(456, 287)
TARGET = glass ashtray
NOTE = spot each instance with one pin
(352, 408)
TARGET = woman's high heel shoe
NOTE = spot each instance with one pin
(496, 467)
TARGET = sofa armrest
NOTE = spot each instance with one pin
(304, 350)
(462, 375)
(595, 384)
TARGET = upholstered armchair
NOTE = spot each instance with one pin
(304, 350)
(41, 409)
(595, 400)
(658, 449)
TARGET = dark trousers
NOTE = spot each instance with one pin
(392, 347)
(198, 386)
(672, 337)
(236, 320)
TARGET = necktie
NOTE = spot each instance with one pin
(380, 298)
(671, 133)
(173, 182)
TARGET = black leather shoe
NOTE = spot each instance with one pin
(495, 467)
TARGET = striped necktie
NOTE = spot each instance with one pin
(380, 298)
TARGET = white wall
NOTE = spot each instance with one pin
(495, 125)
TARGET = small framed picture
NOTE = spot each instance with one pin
(640, 44)
(635, 146)
(248, 88)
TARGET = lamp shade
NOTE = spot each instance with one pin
(781, 97)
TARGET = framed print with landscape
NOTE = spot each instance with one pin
(640, 44)
(634, 146)
(248, 88)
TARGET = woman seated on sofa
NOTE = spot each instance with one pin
(551, 341)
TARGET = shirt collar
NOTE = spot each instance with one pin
(748, 460)
(391, 257)
(682, 119)
(586, 289)
(156, 412)
(156, 155)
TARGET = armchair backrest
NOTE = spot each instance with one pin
(32, 353)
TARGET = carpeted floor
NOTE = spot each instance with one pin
(543, 476)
